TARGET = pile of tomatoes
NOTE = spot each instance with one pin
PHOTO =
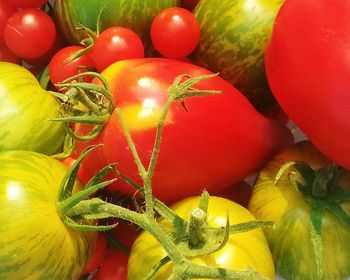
(55, 91)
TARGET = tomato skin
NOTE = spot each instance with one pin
(8, 56)
(205, 147)
(26, 110)
(6, 11)
(114, 44)
(290, 240)
(98, 253)
(175, 32)
(309, 83)
(26, 3)
(29, 33)
(60, 70)
(242, 250)
(39, 246)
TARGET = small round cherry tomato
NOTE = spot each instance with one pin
(6, 11)
(26, 3)
(29, 33)
(116, 43)
(60, 69)
(175, 32)
(8, 56)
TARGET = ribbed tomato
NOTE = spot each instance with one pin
(25, 113)
(35, 243)
(219, 140)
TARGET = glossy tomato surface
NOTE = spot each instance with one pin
(308, 70)
(26, 111)
(35, 243)
(218, 141)
(248, 249)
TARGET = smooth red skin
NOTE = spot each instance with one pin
(29, 33)
(26, 3)
(126, 233)
(114, 44)
(7, 55)
(114, 266)
(308, 70)
(6, 11)
(60, 70)
(98, 254)
(218, 142)
(189, 4)
(175, 32)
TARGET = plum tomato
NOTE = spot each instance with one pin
(29, 33)
(218, 141)
(175, 32)
(116, 43)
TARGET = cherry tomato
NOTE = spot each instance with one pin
(114, 266)
(175, 32)
(6, 11)
(7, 55)
(98, 254)
(116, 43)
(26, 3)
(60, 69)
(29, 33)
(220, 140)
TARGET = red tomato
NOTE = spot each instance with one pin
(116, 43)
(218, 142)
(309, 71)
(114, 266)
(84, 174)
(175, 32)
(6, 11)
(97, 254)
(60, 69)
(125, 233)
(7, 55)
(26, 3)
(29, 33)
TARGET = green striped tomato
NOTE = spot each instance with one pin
(134, 14)
(35, 244)
(311, 237)
(234, 34)
(25, 113)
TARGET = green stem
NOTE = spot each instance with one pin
(198, 219)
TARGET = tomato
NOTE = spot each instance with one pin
(218, 142)
(26, 3)
(248, 249)
(116, 43)
(114, 266)
(307, 69)
(8, 56)
(125, 233)
(84, 175)
(25, 113)
(175, 32)
(29, 33)
(60, 69)
(35, 243)
(6, 11)
(97, 254)
(310, 239)
(239, 193)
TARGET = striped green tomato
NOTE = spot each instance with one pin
(35, 243)
(310, 208)
(25, 113)
(134, 14)
(234, 35)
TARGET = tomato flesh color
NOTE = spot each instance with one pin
(29, 33)
(26, 3)
(8, 56)
(6, 11)
(175, 32)
(39, 246)
(206, 147)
